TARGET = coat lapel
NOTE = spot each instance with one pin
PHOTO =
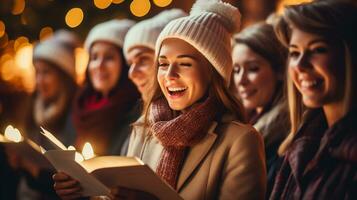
(195, 156)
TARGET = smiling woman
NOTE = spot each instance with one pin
(139, 48)
(322, 99)
(192, 132)
(105, 106)
(259, 68)
(191, 118)
(182, 74)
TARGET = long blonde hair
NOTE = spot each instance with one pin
(331, 19)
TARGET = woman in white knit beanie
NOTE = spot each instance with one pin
(192, 133)
(139, 47)
(106, 105)
(50, 107)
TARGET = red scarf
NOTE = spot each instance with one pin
(96, 121)
(178, 133)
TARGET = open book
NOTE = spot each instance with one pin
(27, 149)
(97, 175)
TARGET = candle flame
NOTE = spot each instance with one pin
(87, 151)
(78, 157)
(13, 134)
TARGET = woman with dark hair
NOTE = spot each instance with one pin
(320, 152)
(105, 106)
(258, 81)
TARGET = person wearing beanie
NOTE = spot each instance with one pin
(106, 105)
(50, 108)
(139, 47)
(69, 38)
(192, 132)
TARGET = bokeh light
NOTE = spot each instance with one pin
(45, 33)
(117, 1)
(19, 6)
(82, 59)
(4, 40)
(20, 42)
(102, 4)
(8, 70)
(140, 8)
(2, 28)
(283, 3)
(74, 17)
(23, 57)
(162, 3)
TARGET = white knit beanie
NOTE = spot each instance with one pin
(145, 33)
(209, 29)
(112, 31)
(69, 38)
(55, 52)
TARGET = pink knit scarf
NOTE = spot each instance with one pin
(178, 133)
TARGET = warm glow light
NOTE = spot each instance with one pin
(82, 58)
(7, 70)
(23, 61)
(140, 8)
(117, 1)
(78, 157)
(19, 6)
(74, 17)
(87, 151)
(283, 3)
(5, 58)
(2, 28)
(13, 134)
(20, 42)
(45, 33)
(23, 57)
(102, 4)
(162, 3)
(4, 40)
(23, 19)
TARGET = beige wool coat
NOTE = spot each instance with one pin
(229, 163)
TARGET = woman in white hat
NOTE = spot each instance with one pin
(55, 88)
(139, 48)
(105, 106)
(192, 133)
(50, 108)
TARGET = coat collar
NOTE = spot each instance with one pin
(196, 155)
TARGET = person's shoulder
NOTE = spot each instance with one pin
(346, 150)
(234, 130)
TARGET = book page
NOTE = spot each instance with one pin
(28, 150)
(58, 144)
(109, 162)
(138, 177)
(64, 161)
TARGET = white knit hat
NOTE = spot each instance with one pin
(112, 31)
(209, 29)
(55, 52)
(145, 33)
(69, 38)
